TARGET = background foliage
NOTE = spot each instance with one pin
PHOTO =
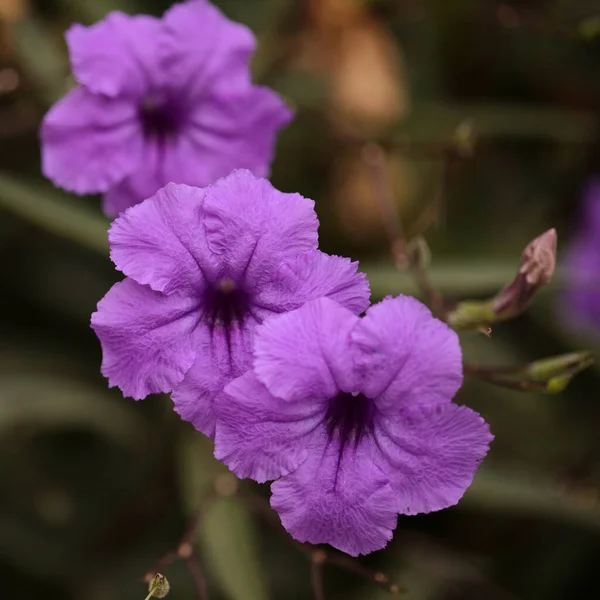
(94, 488)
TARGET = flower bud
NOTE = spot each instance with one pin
(158, 587)
(557, 371)
(536, 269)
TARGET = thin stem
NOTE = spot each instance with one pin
(375, 159)
(184, 549)
(316, 574)
(501, 378)
(193, 566)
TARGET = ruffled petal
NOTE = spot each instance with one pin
(146, 338)
(314, 275)
(161, 241)
(343, 500)
(253, 227)
(116, 56)
(204, 50)
(90, 142)
(237, 131)
(305, 354)
(221, 356)
(431, 454)
(260, 436)
(406, 356)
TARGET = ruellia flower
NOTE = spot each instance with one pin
(580, 301)
(159, 101)
(204, 267)
(353, 418)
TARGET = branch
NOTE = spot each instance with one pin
(406, 256)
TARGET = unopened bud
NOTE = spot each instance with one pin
(536, 270)
(158, 587)
(557, 371)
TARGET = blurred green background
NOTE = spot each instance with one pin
(94, 487)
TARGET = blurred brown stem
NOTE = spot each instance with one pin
(197, 576)
(316, 574)
(375, 159)
(185, 549)
(499, 376)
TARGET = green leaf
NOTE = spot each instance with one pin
(227, 538)
(55, 212)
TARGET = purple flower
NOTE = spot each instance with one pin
(354, 419)
(580, 302)
(160, 101)
(204, 267)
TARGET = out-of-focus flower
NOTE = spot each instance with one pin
(204, 267)
(580, 301)
(353, 418)
(160, 101)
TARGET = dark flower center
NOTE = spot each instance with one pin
(161, 117)
(349, 417)
(226, 305)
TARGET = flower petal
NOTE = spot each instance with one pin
(221, 356)
(406, 356)
(237, 131)
(161, 242)
(202, 47)
(345, 501)
(579, 302)
(258, 435)
(305, 354)
(90, 142)
(432, 453)
(146, 338)
(253, 227)
(312, 275)
(117, 55)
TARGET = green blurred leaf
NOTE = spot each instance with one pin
(55, 401)
(55, 212)
(41, 57)
(527, 494)
(227, 538)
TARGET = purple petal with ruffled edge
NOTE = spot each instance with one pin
(261, 437)
(161, 242)
(345, 501)
(312, 275)
(253, 227)
(116, 56)
(405, 356)
(146, 338)
(90, 142)
(304, 354)
(430, 454)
